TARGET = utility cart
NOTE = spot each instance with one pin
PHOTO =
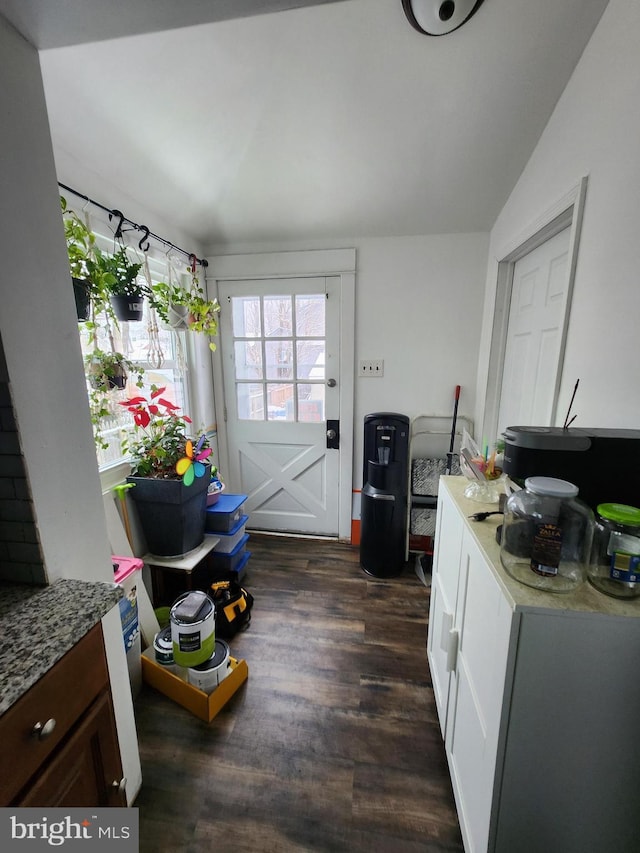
(429, 443)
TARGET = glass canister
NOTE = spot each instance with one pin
(615, 557)
(547, 535)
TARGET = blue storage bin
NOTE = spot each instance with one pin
(224, 515)
(229, 562)
(228, 541)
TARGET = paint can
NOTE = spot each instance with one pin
(208, 675)
(163, 647)
(193, 634)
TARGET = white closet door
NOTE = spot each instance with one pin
(539, 302)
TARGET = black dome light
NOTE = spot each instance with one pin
(439, 17)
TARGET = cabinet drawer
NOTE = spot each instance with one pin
(63, 694)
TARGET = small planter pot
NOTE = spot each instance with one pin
(172, 516)
(128, 308)
(178, 316)
(81, 295)
(101, 382)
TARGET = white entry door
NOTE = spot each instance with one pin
(280, 351)
(539, 301)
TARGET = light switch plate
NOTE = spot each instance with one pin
(371, 368)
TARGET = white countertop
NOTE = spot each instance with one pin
(585, 599)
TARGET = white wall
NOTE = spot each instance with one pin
(418, 308)
(418, 303)
(594, 131)
(39, 330)
(40, 338)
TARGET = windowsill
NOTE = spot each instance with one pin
(114, 475)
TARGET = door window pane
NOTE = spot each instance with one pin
(248, 359)
(310, 403)
(310, 315)
(280, 402)
(246, 316)
(310, 360)
(250, 401)
(277, 316)
(279, 355)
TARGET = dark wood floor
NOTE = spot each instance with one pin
(333, 742)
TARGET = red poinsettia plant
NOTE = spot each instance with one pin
(159, 440)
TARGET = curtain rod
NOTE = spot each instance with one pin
(143, 228)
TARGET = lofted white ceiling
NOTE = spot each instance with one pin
(336, 120)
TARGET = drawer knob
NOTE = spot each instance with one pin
(119, 786)
(42, 731)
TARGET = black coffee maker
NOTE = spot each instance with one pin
(603, 463)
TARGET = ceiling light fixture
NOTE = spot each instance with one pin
(439, 17)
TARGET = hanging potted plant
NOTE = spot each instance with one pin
(170, 474)
(80, 247)
(169, 300)
(120, 277)
(107, 372)
(110, 370)
(186, 309)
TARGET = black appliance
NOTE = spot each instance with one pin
(383, 515)
(603, 463)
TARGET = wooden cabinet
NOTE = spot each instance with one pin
(538, 697)
(60, 746)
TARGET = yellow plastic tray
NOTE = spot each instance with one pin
(176, 687)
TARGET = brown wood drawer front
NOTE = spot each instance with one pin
(87, 770)
(63, 694)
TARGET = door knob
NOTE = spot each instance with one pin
(331, 383)
(333, 434)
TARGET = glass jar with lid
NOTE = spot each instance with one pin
(615, 557)
(547, 535)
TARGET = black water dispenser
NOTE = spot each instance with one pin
(385, 477)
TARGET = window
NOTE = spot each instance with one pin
(279, 344)
(148, 344)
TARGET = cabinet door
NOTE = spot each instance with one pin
(87, 770)
(444, 586)
(483, 624)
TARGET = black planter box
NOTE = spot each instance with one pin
(172, 515)
(81, 295)
(128, 307)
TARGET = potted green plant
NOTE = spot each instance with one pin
(170, 302)
(170, 474)
(186, 309)
(110, 370)
(119, 275)
(107, 372)
(80, 248)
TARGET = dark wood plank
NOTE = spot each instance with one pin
(333, 744)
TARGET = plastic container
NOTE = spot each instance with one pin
(228, 541)
(615, 557)
(128, 574)
(228, 562)
(225, 514)
(547, 535)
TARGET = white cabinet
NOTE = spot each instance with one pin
(441, 638)
(538, 697)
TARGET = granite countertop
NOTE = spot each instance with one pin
(583, 600)
(39, 624)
